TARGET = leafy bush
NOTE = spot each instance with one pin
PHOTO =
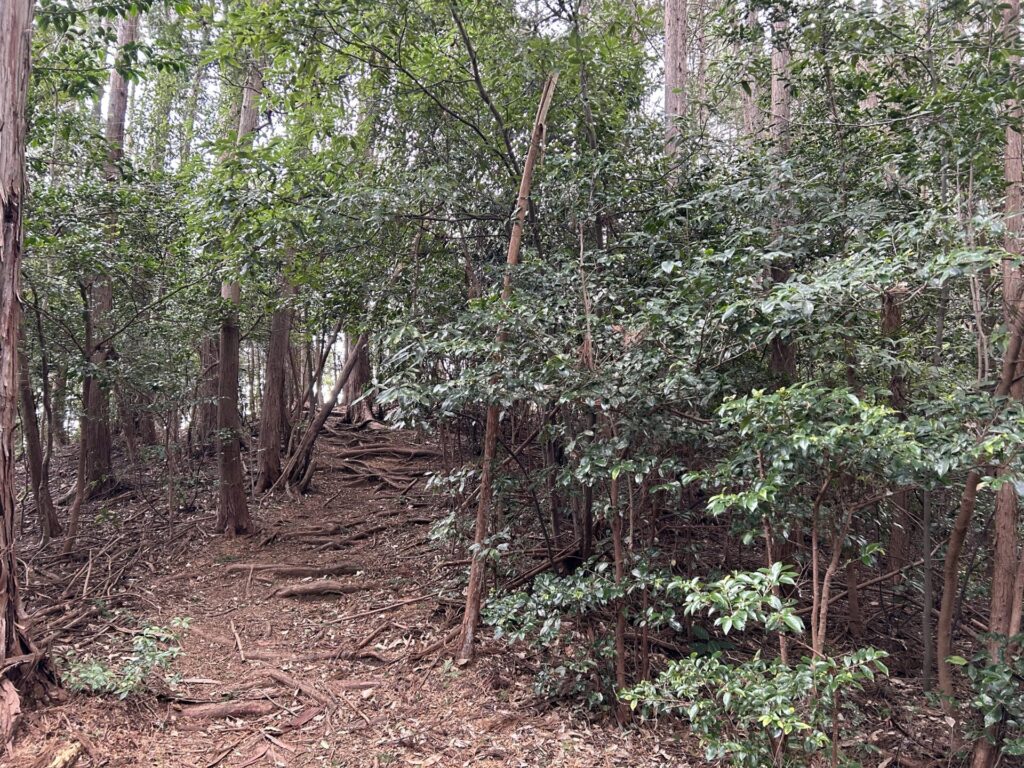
(557, 615)
(153, 650)
(758, 712)
(998, 692)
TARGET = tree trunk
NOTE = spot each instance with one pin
(296, 471)
(60, 387)
(783, 352)
(676, 70)
(619, 557)
(748, 95)
(233, 509)
(15, 52)
(38, 476)
(96, 423)
(474, 591)
(357, 384)
(900, 550)
(203, 432)
(968, 500)
(1005, 599)
(274, 420)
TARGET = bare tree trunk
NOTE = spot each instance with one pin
(60, 395)
(296, 471)
(1005, 598)
(676, 70)
(951, 566)
(783, 352)
(19, 676)
(899, 551)
(752, 121)
(99, 467)
(474, 591)
(233, 508)
(74, 514)
(204, 431)
(357, 384)
(274, 425)
(38, 476)
(619, 557)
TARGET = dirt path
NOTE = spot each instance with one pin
(351, 678)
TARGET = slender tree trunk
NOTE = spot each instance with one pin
(1005, 597)
(38, 475)
(619, 558)
(204, 431)
(81, 488)
(274, 407)
(957, 536)
(297, 470)
(233, 508)
(60, 409)
(191, 109)
(899, 551)
(357, 384)
(18, 677)
(474, 591)
(99, 466)
(783, 352)
(676, 70)
(752, 121)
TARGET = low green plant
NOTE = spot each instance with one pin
(998, 693)
(153, 650)
(556, 614)
(759, 712)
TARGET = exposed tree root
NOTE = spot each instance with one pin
(305, 688)
(317, 588)
(65, 757)
(301, 571)
(251, 708)
(365, 534)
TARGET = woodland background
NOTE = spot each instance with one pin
(709, 314)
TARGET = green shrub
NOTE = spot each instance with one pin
(759, 712)
(998, 693)
(153, 650)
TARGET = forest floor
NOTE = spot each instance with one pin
(356, 678)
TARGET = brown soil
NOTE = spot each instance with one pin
(357, 676)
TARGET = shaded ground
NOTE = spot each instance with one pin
(350, 679)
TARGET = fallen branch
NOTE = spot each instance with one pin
(238, 641)
(375, 611)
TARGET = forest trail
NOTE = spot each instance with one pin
(356, 677)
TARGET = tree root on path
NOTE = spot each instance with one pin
(302, 686)
(317, 588)
(250, 708)
(289, 569)
(339, 543)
